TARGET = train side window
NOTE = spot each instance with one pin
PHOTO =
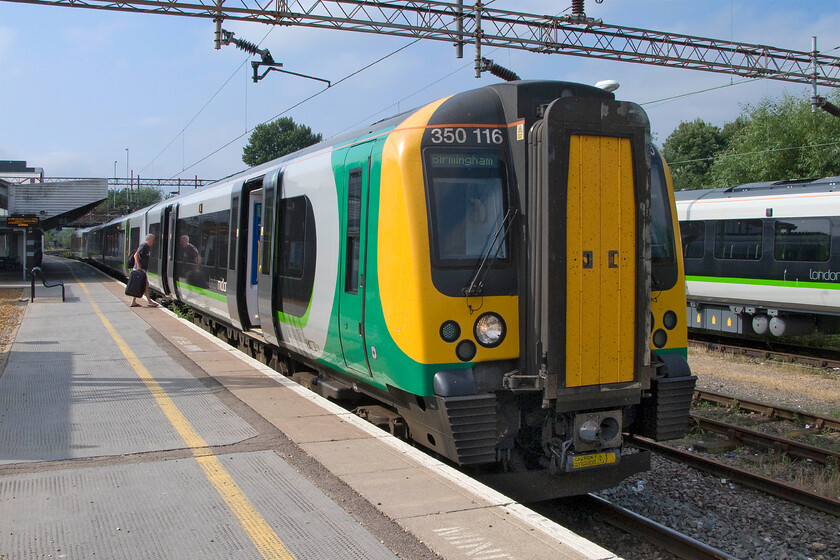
(222, 240)
(738, 239)
(292, 237)
(154, 255)
(693, 236)
(267, 231)
(296, 256)
(234, 227)
(354, 213)
(190, 228)
(207, 242)
(805, 239)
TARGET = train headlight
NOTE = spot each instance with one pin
(489, 330)
(660, 338)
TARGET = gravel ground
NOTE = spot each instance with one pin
(11, 313)
(801, 387)
(741, 522)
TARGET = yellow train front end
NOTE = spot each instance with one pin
(531, 286)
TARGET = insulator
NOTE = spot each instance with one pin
(502, 72)
(246, 46)
(577, 8)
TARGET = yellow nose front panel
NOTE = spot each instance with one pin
(601, 257)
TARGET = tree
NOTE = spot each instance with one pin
(276, 139)
(690, 151)
(58, 239)
(780, 139)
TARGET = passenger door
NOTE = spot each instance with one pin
(601, 255)
(355, 187)
(171, 241)
(252, 276)
(266, 288)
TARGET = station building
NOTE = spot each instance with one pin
(29, 206)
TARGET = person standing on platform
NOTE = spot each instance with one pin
(141, 262)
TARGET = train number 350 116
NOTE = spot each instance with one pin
(462, 135)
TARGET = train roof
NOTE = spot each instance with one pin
(779, 199)
(775, 188)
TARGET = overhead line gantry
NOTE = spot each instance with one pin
(479, 25)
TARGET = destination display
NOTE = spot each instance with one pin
(22, 221)
(479, 160)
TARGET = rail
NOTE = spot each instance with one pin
(678, 544)
(780, 351)
(771, 411)
(754, 438)
(743, 477)
(36, 270)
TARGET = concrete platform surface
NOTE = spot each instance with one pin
(130, 433)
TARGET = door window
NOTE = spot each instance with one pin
(354, 213)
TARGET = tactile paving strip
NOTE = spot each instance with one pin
(67, 391)
(133, 512)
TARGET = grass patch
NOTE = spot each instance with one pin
(183, 311)
(823, 480)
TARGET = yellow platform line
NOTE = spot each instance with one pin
(263, 536)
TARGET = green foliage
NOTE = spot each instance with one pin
(57, 239)
(127, 200)
(782, 139)
(774, 140)
(183, 311)
(276, 139)
(690, 151)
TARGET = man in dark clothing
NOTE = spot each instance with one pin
(189, 253)
(141, 262)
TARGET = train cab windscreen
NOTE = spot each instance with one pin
(467, 200)
(663, 249)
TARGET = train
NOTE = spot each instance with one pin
(763, 258)
(498, 271)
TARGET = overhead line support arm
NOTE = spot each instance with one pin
(490, 27)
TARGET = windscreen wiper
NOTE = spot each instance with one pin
(476, 285)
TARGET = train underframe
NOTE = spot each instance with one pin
(752, 319)
(510, 438)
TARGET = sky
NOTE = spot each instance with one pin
(91, 93)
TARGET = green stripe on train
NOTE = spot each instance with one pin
(764, 282)
(294, 320)
(682, 351)
(201, 291)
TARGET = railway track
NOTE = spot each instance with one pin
(743, 477)
(788, 353)
(754, 438)
(769, 410)
(678, 544)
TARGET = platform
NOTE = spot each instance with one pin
(130, 433)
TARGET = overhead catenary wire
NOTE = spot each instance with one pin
(206, 104)
(298, 104)
(696, 92)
